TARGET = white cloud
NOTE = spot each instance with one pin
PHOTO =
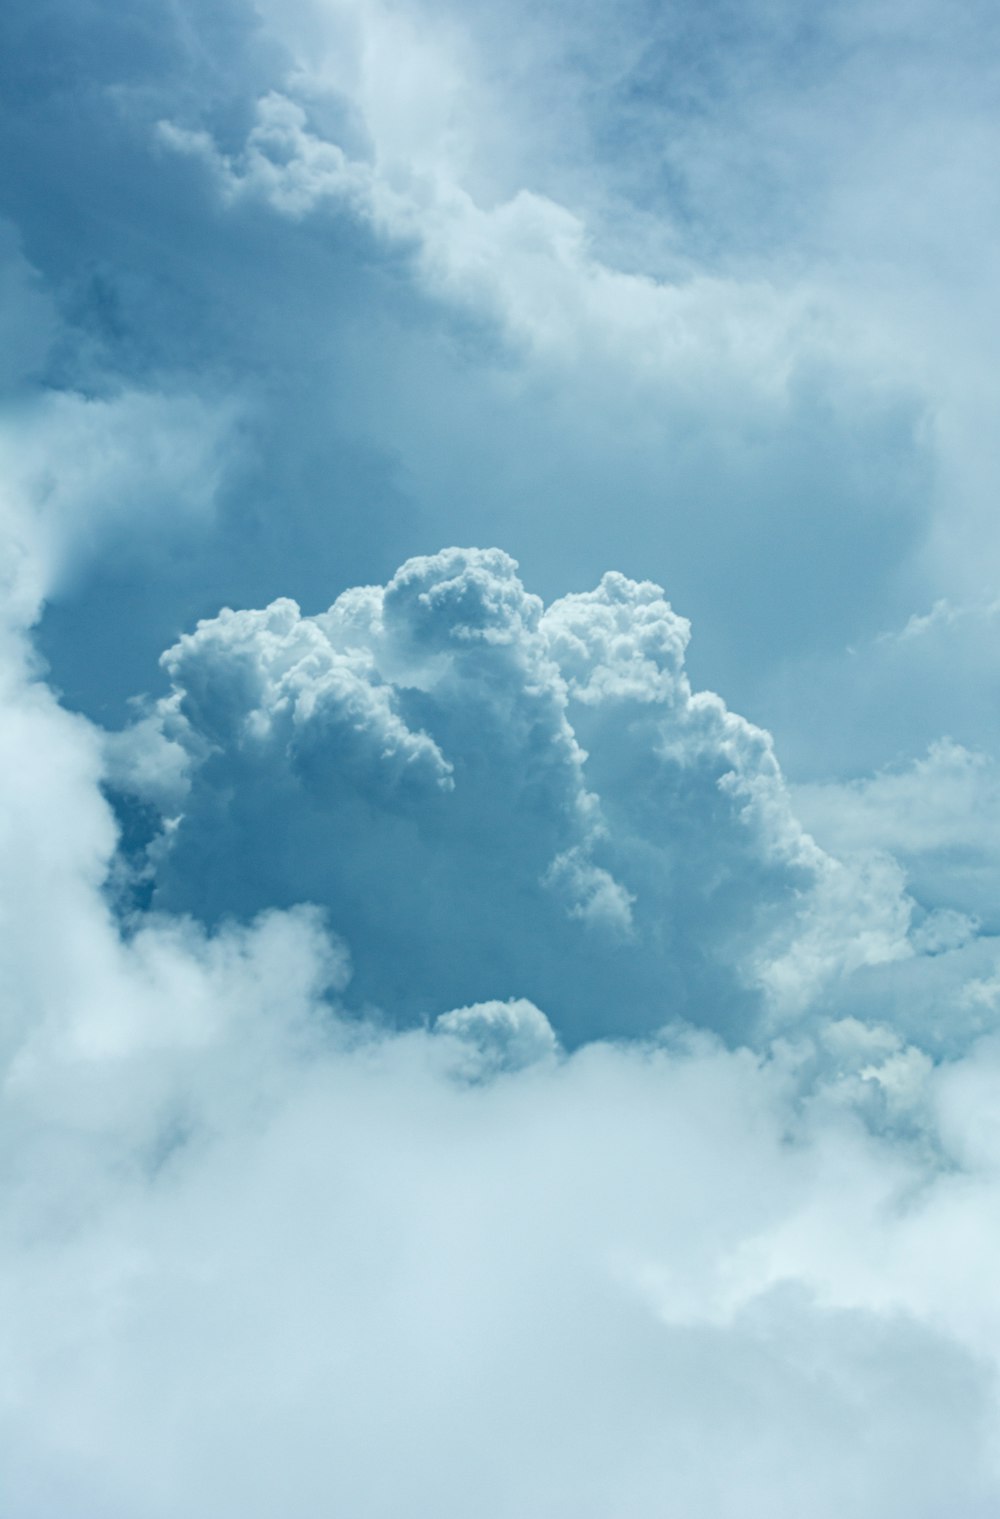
(944, 800)
(500, 1035)
(274, 679)
(526, 263)
(936, 814)
(477, 787)
(80, 471)
(249, 1264)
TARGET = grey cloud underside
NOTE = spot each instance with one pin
(491, 798)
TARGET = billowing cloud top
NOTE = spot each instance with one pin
(496, 799)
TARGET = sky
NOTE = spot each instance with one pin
(500, 759)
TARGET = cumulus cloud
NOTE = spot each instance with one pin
(500, 1035)
(497, 799)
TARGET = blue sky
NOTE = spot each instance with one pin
(499, 950)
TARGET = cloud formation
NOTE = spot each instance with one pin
(497, 799)
(446, 1066)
